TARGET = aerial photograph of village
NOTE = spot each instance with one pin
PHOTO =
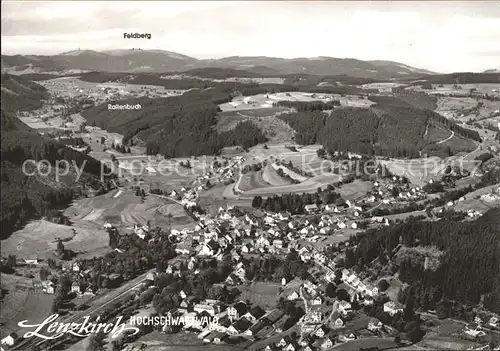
(238, 175)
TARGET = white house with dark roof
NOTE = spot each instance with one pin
(392, 307)
(344, 307)
(311, 208)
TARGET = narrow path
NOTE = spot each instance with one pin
(470, 153)
(444, 140)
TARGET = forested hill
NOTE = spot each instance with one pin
(176, 126)
(394, 127)
(25, 196)
(21, 94)
(442, 261)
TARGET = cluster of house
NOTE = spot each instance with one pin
(322, 338)
(247, 234)
(383, 191)
(475, 329)
(48, 286)
(473, 213)
(216, 174)
(142, 231)
(334, 217)
(238, 319)
(243, 320)
(220, 172)
(80, 278)
(321, 325)
(270, 233)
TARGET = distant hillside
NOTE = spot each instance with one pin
(462, 78)
(25, 196)
(169, 54)
(304, 83)
(399, 68)
(313, 66)
(122, 61)
(137, 60)
(223, 73)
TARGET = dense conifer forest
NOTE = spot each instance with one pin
(21, 94)
(393, 127)
(467, 271)
(25, 196)
(176, 126)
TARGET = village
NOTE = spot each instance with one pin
(325, 306)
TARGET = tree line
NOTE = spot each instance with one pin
(304, 106)
(294, 203)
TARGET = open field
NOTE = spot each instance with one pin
(304, 158)
(465, 108)
(444, 336)
(20, 304)
(39, 238)
(453, 144)
(127, 210)
(355, 190)
(167, 182)
(310, 185)
(156, 172)
(481, 200)
(289, 172)
(263, 294)
(222, 195)
(263, 80)
(267, 177)
(86, 236)
(381, 85)
(266, 181)
(418, 171)
(483, 88)
(266, 100)
(270, 176)
(433, 342)
(436, 134)
(276, 130)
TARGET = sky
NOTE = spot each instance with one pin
(443, 37)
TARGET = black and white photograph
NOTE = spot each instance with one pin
(250, 175)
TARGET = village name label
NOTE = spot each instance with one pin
(124, 107)
(87, 327)
(136, 36)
